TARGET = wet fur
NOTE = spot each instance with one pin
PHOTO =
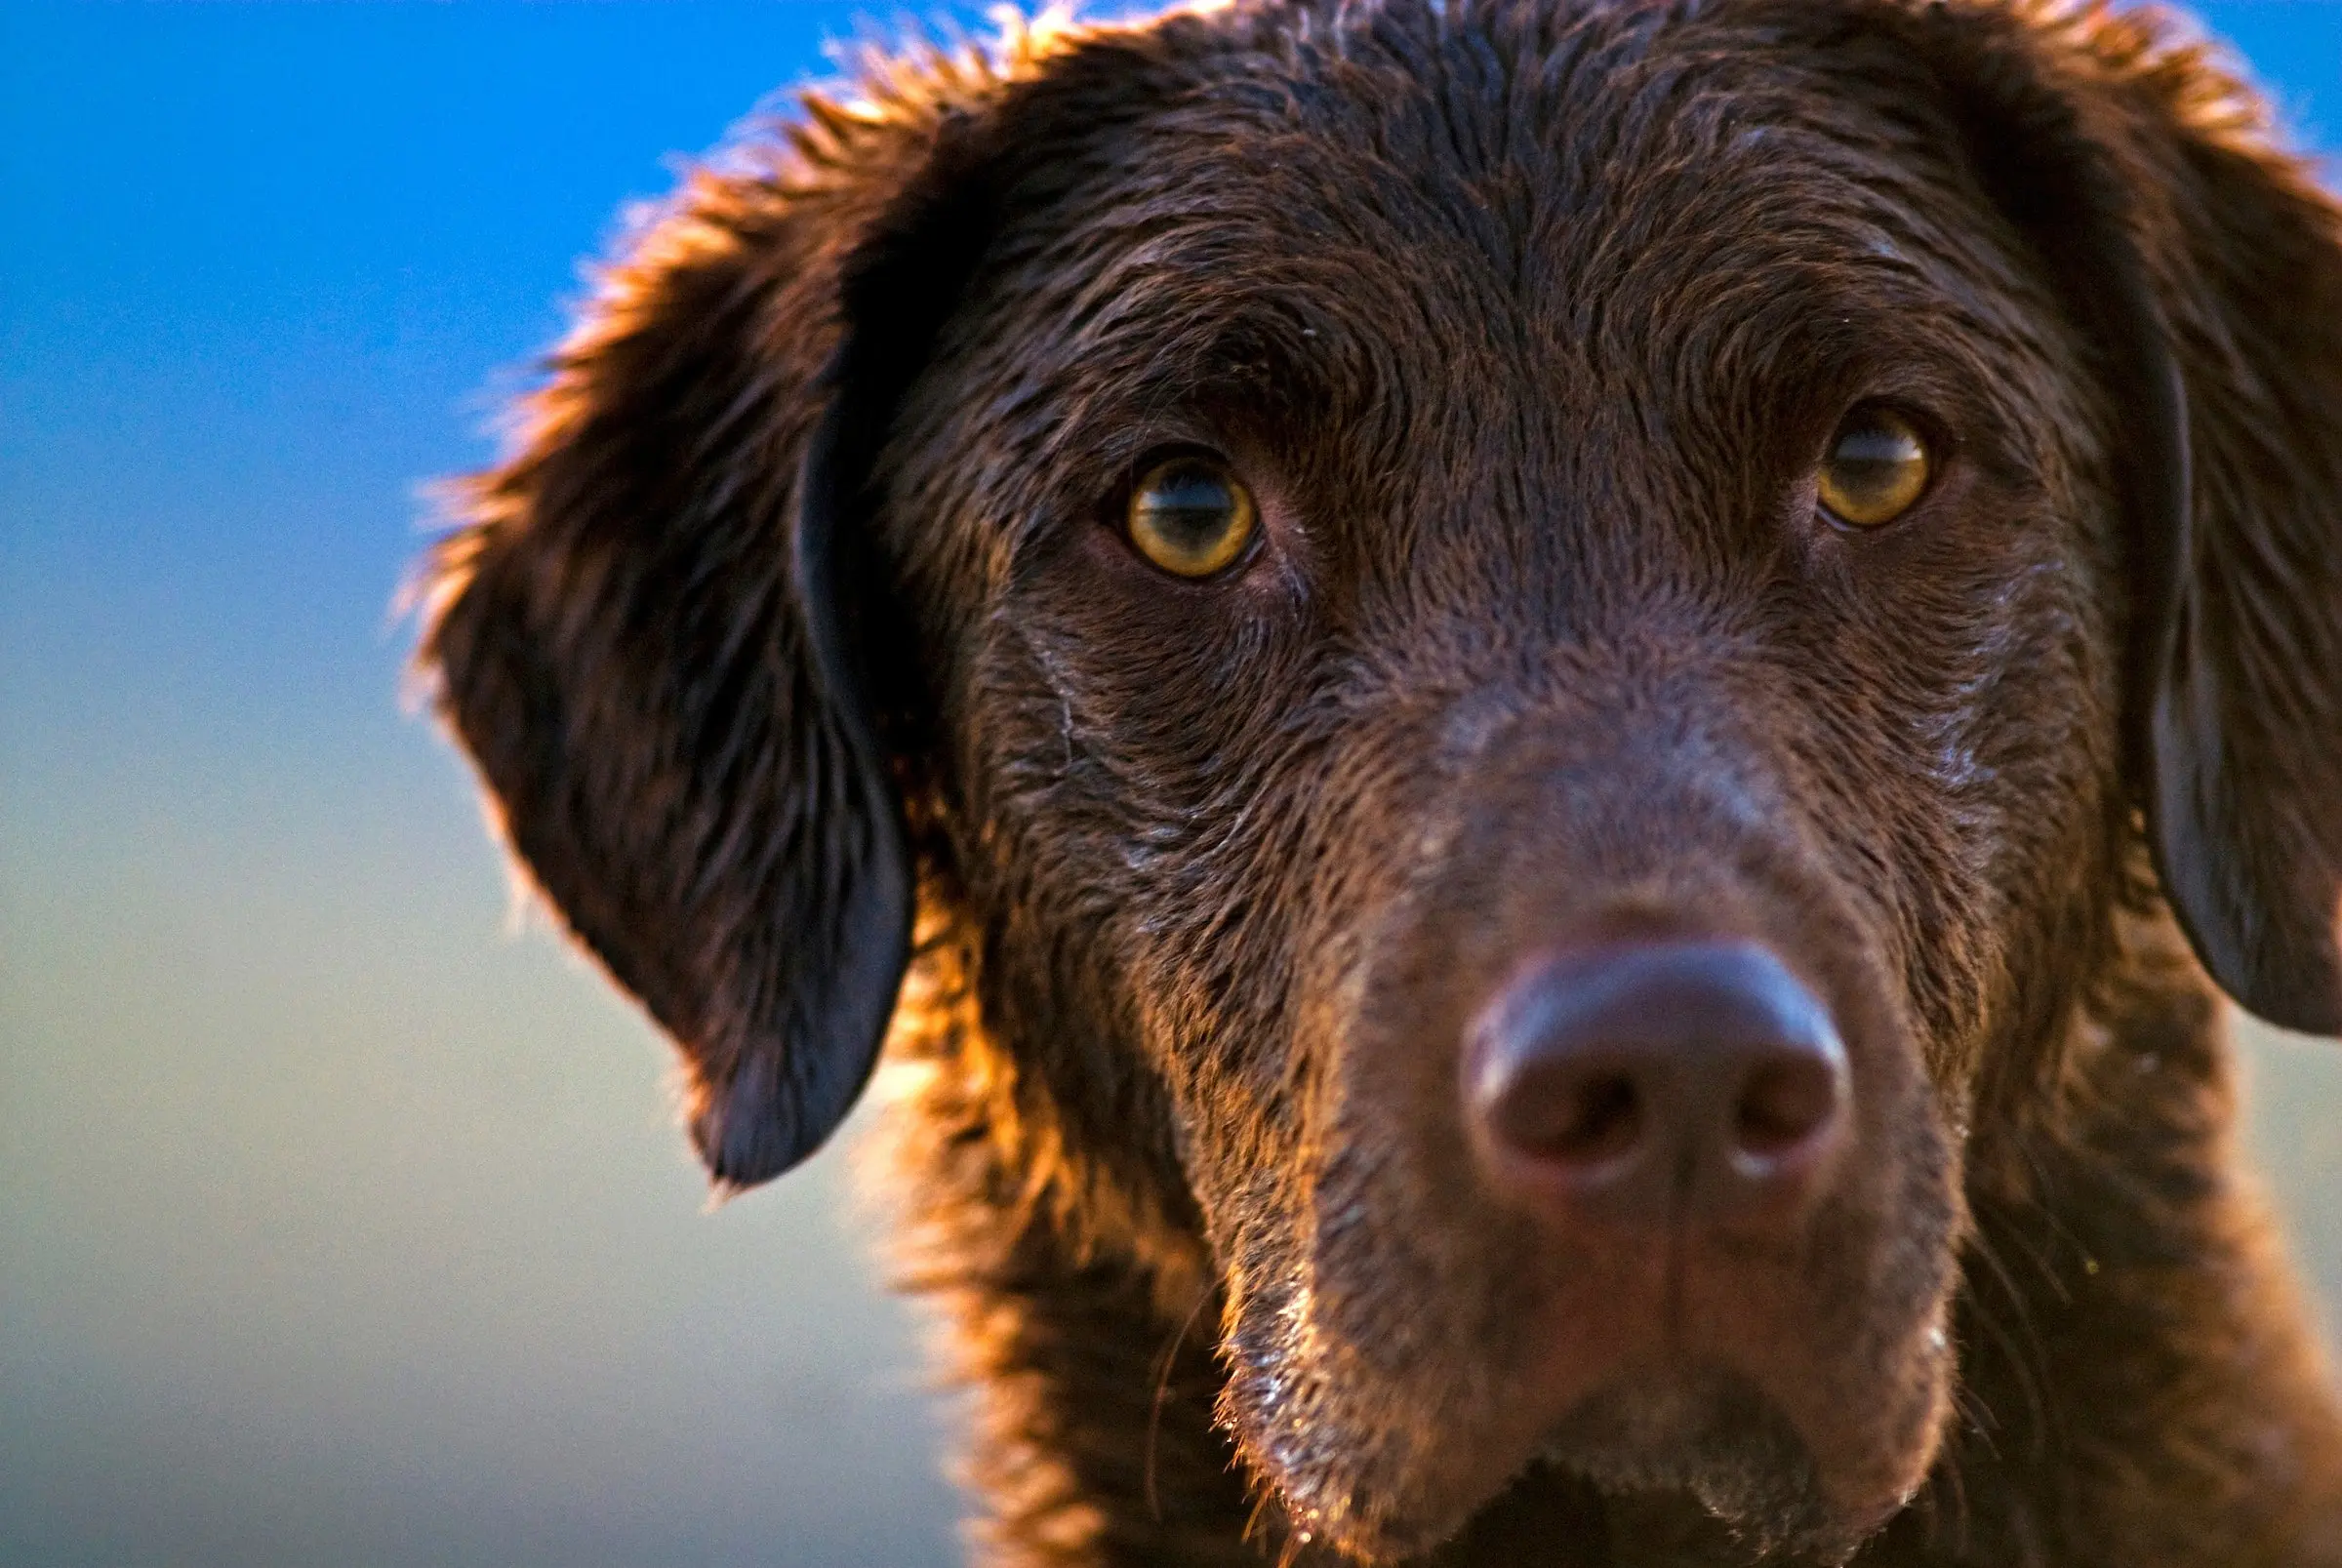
(727, 642)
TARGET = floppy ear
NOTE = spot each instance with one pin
(2206, 268)
(648, 632)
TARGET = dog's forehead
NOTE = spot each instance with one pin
(1520, 168)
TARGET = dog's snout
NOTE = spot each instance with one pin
(1683, 1080)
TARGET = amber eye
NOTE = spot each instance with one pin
(1190, 517)
(1878, 465)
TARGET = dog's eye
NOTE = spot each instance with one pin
(1190, 517)
(1878, 465)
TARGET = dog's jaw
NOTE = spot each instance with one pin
(1304, 1414)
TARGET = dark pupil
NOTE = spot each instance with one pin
(1188, 507)
(1873, 459)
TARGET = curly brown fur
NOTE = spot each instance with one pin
(801, 610)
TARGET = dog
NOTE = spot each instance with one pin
(1538, 732)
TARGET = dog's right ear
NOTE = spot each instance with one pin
(646, 632)
(2204, 267)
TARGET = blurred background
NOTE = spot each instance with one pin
(339, 1222)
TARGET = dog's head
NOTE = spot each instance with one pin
(1527, 641)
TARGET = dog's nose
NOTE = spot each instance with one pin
(1692, 1080)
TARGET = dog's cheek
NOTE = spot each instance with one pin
(2026, 769)
(1125, 799)
(1974, 801)
(1116, 818)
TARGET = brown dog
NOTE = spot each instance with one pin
(1553, 680)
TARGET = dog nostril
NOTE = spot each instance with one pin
(1595, 1121)
(1783, 1103)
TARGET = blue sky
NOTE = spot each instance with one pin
(335, 1223)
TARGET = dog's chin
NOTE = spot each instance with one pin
(1705, 1454)
(1711, 1443)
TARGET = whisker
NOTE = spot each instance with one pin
(1162, 1390)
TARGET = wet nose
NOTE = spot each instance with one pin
(1645, 1082)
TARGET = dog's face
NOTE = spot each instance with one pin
(1538, 640)
(1524, 642)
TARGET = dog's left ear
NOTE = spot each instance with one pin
(662, 632)
(2206, 268)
